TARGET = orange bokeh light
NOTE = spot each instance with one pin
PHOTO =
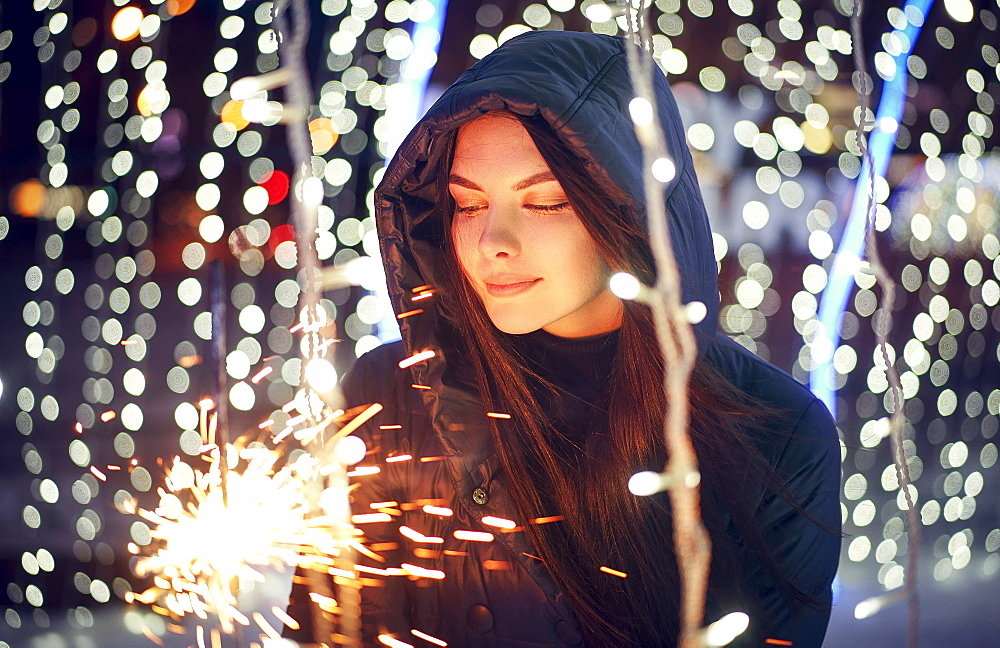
(28, 198)
(125, 24)
(232, 114)
(323, 135)
(177, 7)
(142, 103)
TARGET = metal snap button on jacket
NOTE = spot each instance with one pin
(480, 496)
(567, 634)
(479, 618)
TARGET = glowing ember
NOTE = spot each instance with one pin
(417, 357)
(367, 518)
(416, 570)
(427, 637)
(498, 522)
(548, 519)
(613, 572)
(416, 536)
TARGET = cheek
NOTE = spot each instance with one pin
(597, 275)
(586, 264)
(463, 241)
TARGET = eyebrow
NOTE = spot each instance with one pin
(537, 178)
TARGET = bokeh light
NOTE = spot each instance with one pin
(126, 23)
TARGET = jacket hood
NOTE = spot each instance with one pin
(579, 83)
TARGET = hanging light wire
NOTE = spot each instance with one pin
(677, 344)
(875, 161)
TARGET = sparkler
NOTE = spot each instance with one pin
(219, 355)
(216, 533)
(218, 527)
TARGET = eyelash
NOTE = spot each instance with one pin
(549, 208)
(538, 208)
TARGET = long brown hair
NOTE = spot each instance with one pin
(604, 524)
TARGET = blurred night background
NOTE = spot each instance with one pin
(126, 169)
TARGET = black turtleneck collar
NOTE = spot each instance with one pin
(580, 369)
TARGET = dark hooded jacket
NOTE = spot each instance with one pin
(495, 593)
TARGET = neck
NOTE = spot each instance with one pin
(601, 315)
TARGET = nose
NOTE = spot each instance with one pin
(501, 233)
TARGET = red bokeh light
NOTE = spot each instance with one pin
(280, 234)
(276, 184)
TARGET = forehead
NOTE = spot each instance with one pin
(497, 144)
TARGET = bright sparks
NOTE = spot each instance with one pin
(217, 528)
(210, 535)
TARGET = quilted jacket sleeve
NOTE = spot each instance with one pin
(384, 607)
(806, 552)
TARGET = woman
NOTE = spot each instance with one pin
(501, 219)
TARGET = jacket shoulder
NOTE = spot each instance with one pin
(805, 452)
(801, 435)
(756, 377)
(807, 417)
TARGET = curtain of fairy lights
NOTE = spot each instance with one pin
(118, 318)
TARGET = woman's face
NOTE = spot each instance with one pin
(519, 242)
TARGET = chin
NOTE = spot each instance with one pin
(512, 324)
(515, 328)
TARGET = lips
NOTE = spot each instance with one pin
(509, 286)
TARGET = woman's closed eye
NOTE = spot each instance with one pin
(468, 209)
(547, 208)
(557, 207)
